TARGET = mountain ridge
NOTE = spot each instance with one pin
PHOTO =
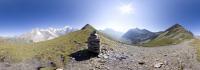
(173, 35)
(135, 36)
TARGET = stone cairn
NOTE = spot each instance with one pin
(94, 43)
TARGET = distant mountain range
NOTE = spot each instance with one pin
(37, 35)
(172, 35)
(137, 35)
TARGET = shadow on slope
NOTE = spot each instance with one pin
(83, 55)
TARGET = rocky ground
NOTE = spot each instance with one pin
(126, 57)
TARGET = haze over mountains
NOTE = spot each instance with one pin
(37, 35)
(132, 36)
(113, 34)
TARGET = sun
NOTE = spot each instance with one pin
(126, 9)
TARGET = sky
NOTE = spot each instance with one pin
(20, 16)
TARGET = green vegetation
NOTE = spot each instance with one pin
(56, 50)
(15, 51)
(63, 46)
(164, 41)
(196, 43)
(161, 42)
(174, 35)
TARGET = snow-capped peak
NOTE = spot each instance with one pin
(37, 34)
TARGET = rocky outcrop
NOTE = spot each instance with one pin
(94, 43)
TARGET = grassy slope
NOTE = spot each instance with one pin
(173, 36)
(62, 46)
(15, 51)
(51, 50)
(65, 45)
(196, 43)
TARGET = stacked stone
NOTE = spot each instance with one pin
(94, 43)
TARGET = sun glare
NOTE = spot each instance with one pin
(126, 9)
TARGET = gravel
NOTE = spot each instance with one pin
(127, 57)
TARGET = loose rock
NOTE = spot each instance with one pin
(141, 62)
(158, 65)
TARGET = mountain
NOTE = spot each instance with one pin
(115, 35)
(136, 35)
(173, 35)
(88, 26)
(54, 51)
(37, 35)
(67, 44)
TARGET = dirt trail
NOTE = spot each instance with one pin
(126, 57)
